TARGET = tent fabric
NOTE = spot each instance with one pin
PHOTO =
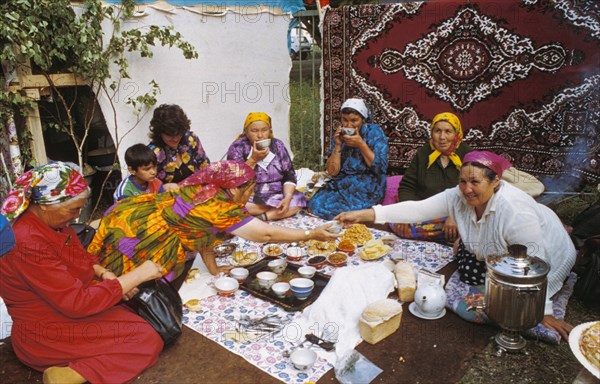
(243, 66)
(288, 6)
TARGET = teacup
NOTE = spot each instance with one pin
(277, 266)
(349, 131)
(262, 144)
(266, 279)
(336, 226)
(280, 288)
(226, 286)
(307, 271)
(303, 358)
(239, 273)
(301, 287)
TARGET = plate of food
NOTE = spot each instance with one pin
(584, 341)
(245, 257)
(272, 250)
(357, 234)
(320, 247)
(374, 250)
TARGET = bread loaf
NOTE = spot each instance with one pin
(407, 284)
(379, 320)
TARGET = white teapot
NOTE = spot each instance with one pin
(430, 298)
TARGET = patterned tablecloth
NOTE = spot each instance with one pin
(219, 315)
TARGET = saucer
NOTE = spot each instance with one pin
(415, 311)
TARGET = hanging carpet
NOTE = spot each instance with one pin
(523, 76)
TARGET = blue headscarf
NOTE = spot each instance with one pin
(7, 236)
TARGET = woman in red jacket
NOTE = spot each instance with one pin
(64, 305)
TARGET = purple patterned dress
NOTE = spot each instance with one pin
(270, 177)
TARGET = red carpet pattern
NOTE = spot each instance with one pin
(523, 76)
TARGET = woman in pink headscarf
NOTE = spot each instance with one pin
(490, 215)
(206, 209)
(63, 302)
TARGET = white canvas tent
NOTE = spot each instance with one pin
(243, 66)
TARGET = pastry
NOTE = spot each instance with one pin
(589, 344)
(193, 305)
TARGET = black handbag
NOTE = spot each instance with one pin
(159, 304)
(587, 266)
(84, 232)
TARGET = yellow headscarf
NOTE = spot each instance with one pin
(455, 122)
(257, 116)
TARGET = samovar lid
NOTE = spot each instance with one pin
(517, 264)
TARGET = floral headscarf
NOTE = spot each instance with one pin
(215, 176)
(47, 184)
(257, 116)
(496, 163)
(454, 121)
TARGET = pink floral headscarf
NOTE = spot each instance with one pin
(215, 176)
(492, 161)
(47, 184)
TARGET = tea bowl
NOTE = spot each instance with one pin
(307, 271)
(302, 287)
(280, 288)
(239, 273)
(262, 144)
(226, 286)
(277, 266)
(266, 279)
(303, 358)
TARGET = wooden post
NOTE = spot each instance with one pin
(32, 117)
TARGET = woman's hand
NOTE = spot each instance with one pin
(352, 217)
(322, 233)
(149, 270)
(560, 326)
(337, 136)
(402, 230)
(284, 204)
(259, 154)
(170, 187)
(355, 141)
(450, 229)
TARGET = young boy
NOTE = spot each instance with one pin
(141, 164)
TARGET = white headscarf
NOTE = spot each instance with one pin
(358, 105)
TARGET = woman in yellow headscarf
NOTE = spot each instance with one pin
(434, 168)
(275, 196)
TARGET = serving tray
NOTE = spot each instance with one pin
(289, 302)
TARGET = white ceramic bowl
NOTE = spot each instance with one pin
(239, 273)
(303, 358)
(226, 286)
(277, 266)
(266, 279)
(307, 271)
(349, 131)
(295, 253)
(302, 287)
(262, 144)
(280, 288)
(336, 226)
